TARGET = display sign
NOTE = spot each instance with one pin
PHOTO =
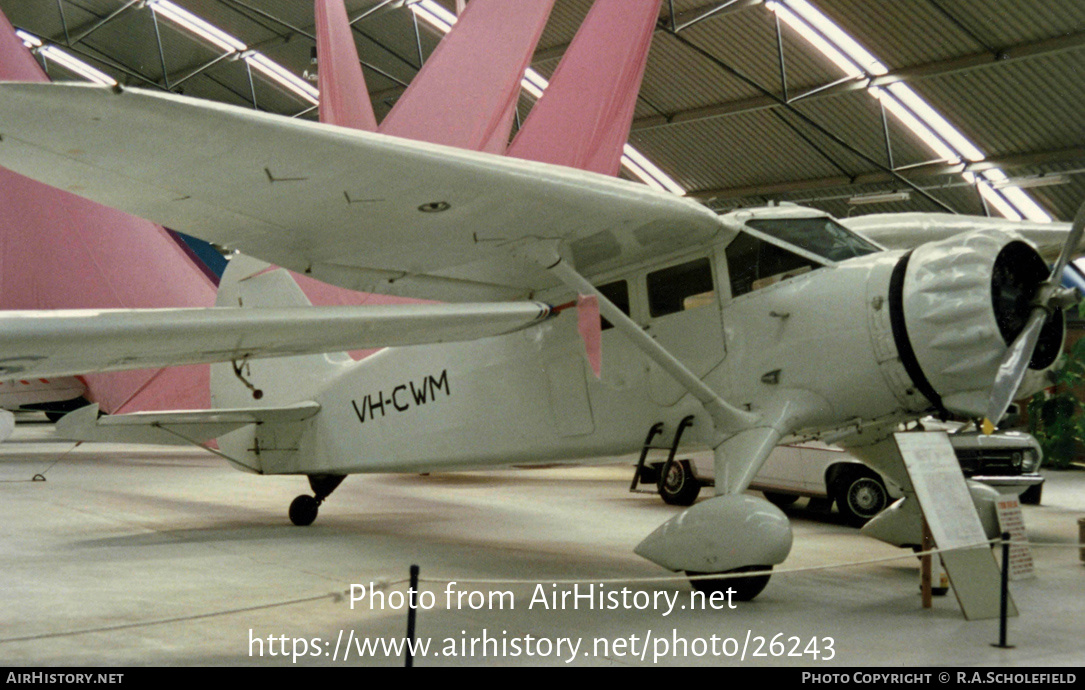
(1010, 519)
(947, 505)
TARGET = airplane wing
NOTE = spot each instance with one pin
(67, 342)
(909, 230)
(357, 209)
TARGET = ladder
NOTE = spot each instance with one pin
(656, 430)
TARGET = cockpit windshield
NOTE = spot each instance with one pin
(822, 236)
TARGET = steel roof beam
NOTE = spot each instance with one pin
(934, 169)
(939, 68)
(86, 30)
(810, 122)
(713, 10)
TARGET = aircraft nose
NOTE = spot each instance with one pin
(963, 301)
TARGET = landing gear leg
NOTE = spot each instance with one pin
(303, 509)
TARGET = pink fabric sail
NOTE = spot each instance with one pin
(583, 118)
(466, 93)
(590, 327)
(344, 98)
(61, 251)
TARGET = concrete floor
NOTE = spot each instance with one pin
(125, 555)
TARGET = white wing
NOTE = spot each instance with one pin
(361, 210)
(66, 342)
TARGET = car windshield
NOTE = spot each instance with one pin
(822, 236)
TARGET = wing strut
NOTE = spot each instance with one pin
(727, 418)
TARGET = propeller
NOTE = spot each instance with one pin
(1049, 298)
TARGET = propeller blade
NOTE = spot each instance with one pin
(1012, 369)
(1015, 362)
(1070, 246)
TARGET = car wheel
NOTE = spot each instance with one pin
(780, 500)
(679, 487)
(860, 496)
(1031, 496)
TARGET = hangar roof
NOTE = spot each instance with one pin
(739, 104)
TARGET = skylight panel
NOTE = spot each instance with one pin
(284, 77)
(193, 24)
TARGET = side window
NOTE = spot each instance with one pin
(681, 287)
(618, 293)
(754, 264)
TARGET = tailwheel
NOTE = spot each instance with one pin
(303, 510)
(744, 588)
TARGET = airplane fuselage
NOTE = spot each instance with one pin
(530, 397)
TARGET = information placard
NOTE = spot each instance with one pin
(947, 505)
(1010, 519)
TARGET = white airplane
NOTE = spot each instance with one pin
(754, 327)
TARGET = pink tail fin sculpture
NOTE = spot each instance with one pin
(466, 93)
(61, 251)
(583, 118)
(344, 98)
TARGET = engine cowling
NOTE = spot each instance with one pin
(956, 306)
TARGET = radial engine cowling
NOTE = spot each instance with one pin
(963, 300)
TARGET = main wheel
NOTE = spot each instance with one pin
(303, 510)
(780, 500)
(745, 588)
(860, 496)
(679, 487)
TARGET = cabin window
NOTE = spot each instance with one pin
(681, 287)
(822, 236)
(618, 293)
(754, 264)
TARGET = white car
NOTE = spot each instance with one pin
(1008, 461)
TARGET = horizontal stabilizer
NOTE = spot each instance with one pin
(69, 342)
(174, 427)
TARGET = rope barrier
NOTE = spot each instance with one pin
(40, 476)
(383, 583)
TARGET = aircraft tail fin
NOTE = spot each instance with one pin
(248, 282)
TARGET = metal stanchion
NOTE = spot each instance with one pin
(412, 611)
(1004, 603)
(925, 567)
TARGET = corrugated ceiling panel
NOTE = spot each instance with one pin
(902, 32)
(1062, 200)
(747, 40)
(678, 78)
(1007, 22)
(1019, 106)
(732, 152)
(856, 118)
(565, 19)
